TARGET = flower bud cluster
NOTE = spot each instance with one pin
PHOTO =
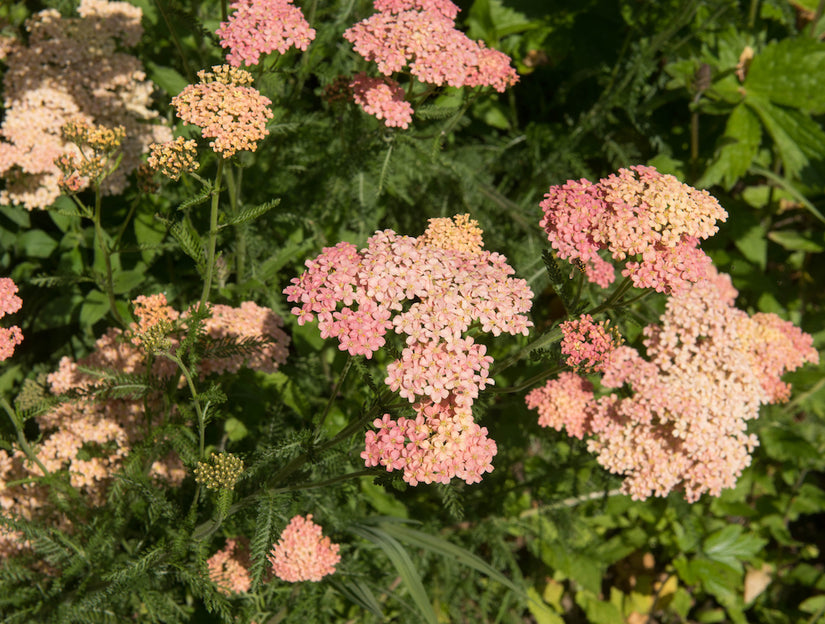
(220, 471)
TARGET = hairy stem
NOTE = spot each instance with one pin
(104, 250)
(213, 236)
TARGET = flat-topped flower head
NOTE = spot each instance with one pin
(650, 220)
(303, 553)
(680, 422)
(382, 98)
(227, 110)
(421, 36)
(220, 471)
(258, 27)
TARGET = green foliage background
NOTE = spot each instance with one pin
(544, 538)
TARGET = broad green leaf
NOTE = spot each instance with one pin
(796, 241)
(95, 306)
(815, 604)
(730, 547)
(736, 149)
(790, 72)
(36, 243)
(235, 429)
(403, 564)
(788, 188)
(785, 444)
(126, 281)
(598, 611)
(798, 138)
(753, 245)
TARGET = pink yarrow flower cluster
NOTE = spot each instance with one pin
(421, 35)
(227, 110)
(303, 553)
(587, 344)
(709, 368)
(649, 219)
(441, 443)
(382, 98)
(258, 27)
(452, 283)
(229, 568)
(9, 304)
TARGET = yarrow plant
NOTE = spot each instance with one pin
(649, 219)
(382, 98)
(708, 368)
(453, 284)
(258, 27)
(303, 553)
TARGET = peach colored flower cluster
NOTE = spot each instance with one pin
(229, 568)
(382, 98)
(227, 110)
(9, 304)
(651, 219)
(258, 27)
(587, 344)
(174, 158)
(70, 69)
(440, 443)
(708, 369)
(421, 35)
(452, 284)
(303, 553)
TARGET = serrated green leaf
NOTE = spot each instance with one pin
(404, 566)
(198, 198)
(798, 138)
(790, 72)
(598, 611)
(190, 244)
(731, 547)
(540, 611)
(736, 149)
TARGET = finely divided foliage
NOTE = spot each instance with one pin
(241, 378)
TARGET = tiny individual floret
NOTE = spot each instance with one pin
(220, 471)
(258, 27)
(587, 344)
(174, 158)
(228, 111)
(303, 553)
(382, 98)
(229, 568)
(9, 304)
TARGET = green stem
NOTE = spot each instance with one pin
(21, 437)
(101, 244)
(546, 338)
(213, 236)
(820, 8)
(201, 411)
(569, 502)
(333, 396)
